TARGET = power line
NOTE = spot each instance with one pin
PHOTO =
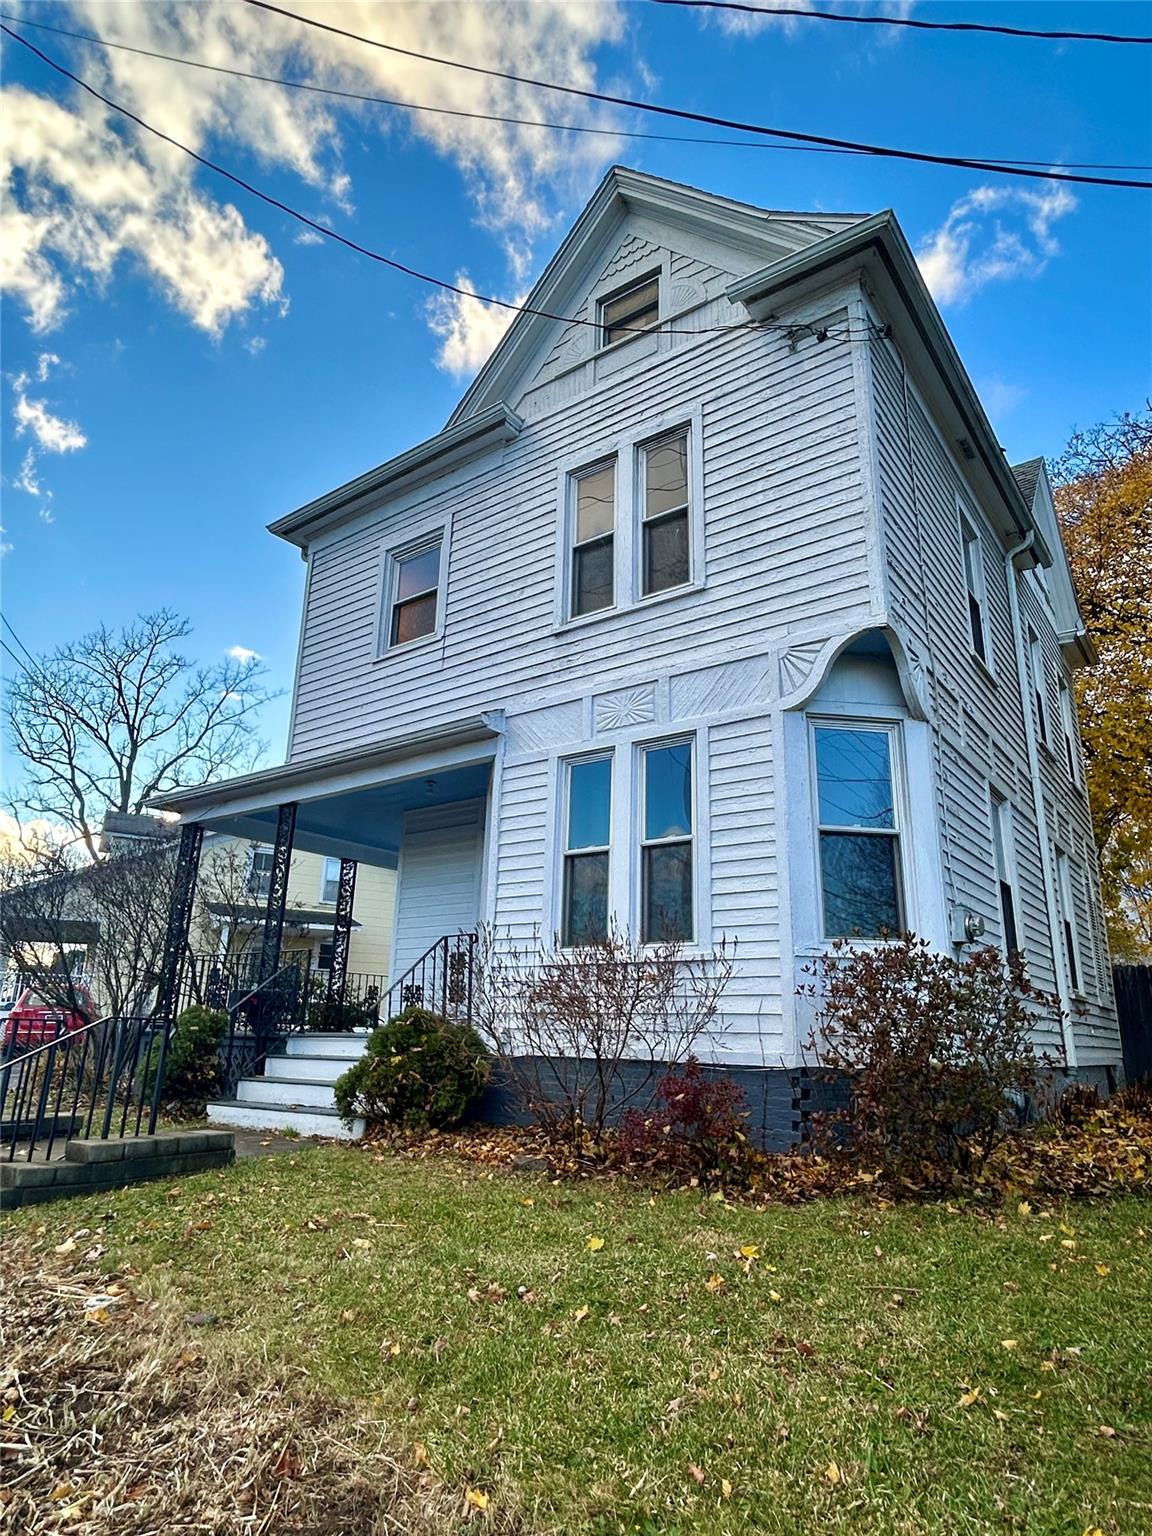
(495, 117)
(905, 21)
(883, 150)
(821, 333)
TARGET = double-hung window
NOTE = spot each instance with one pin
(664, 514)
(1067, 726)
(1039, 684)
(593, 538)
(1067, 918)
(630, 310)
(1001, 844)
(330, 882)
(666, 826)
(260, 872)
(587, 842)
(977, 593)
(858, 831)
(413, 594)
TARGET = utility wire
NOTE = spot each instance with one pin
(794, 328)
(883, 150)
(904, 21)
(494, 117)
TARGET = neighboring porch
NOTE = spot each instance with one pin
(419, 807)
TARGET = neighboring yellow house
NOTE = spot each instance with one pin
(232, 888)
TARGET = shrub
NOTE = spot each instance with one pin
(700, 1126)
(418, 1070)
(192, 1065)
(935, 1054)
(328, 1017)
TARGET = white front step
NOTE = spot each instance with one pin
(288, 1093)
(279, 1117)
(322, 1069)
(347, 1047)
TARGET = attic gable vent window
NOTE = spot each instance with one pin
(635, 308)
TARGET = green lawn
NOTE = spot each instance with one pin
(597, 1359)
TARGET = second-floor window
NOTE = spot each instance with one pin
(1039, 684)
(412, 593)
(664, 527)
(977, 594)
(1067, 726)
(330, 882)
(1067, 918)
(260, 872)
(594, 539)
(858, 831)
(630, 310)
(1002, 849)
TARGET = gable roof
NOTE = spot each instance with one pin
(762, 233)
(1027, 476)
(1036, 488)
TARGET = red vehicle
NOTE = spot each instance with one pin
(37, 1020)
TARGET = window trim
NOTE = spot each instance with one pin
(621, 290)
(250, 875)
(643, 521)
(893, 729)
(1068, 728)
(572, 480)
(1065, 896)
(1003, 824)
(1038, 668)
(975, 586)
(639, 842)
(329, 901)
(565, 766)
(391, 558)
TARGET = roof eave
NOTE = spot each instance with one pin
(479, 434)
(876, 246)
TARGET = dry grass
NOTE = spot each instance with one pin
(123, 1419)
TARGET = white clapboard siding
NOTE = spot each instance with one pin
(438, 881)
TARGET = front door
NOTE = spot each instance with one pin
(438, 879)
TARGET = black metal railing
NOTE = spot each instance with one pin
(102, 1079)
(441, 980)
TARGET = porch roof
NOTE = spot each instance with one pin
(351, 804)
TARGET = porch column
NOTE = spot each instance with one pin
(342, 931)
(277, 894)
(172, 966)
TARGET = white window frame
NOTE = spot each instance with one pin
(627, 448)
(1068, 728)
(1038, 668)
(975, 585)
(390, 561)
(1073, 958)
(893, 729)
(1003, 827)
(326, 880)
(621, 290)
(639, 842)
(565, 766)
(639, 461)
(260, 894)
(572, 481)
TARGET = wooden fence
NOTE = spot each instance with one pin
(1134, 1006)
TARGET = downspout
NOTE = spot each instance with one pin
(1055, 937)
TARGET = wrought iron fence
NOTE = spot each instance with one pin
(441, 980)
(101, 1080)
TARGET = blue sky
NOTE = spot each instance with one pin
(178, 369)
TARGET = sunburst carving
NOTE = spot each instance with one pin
(796, 664)
(627, 706)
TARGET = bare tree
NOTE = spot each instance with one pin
(582, 1034)
(104, 723)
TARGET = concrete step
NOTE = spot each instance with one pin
(277, 1117)
(347, 1047)
(286, 1092)
(321, 1069)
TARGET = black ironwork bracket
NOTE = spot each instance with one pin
(342, 931)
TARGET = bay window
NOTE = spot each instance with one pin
(587, 842)
(666, 829)
(858, 830)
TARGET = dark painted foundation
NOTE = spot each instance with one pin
(93, 1165)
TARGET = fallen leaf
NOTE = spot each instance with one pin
(1103, 1269)
(725, 1488)
(696, 1473)
(580, 1314)
(67, 1247)
(1009, 1343)
(715, 1282)
(832, 1473)
(969, 1398)
(477, 1498)
(595, 1244)
(749, 1251)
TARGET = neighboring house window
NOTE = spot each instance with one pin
(858, 831)
(413, 594)
(1002, 844)
(330, 881)
(977, 594)
(1067, 726)
(664, 519)
(1067, 918)
(587, 824)
(260, 871)
(1039, 683)
(666, 843)
(631, 309)
(325, 955)
(593, 494)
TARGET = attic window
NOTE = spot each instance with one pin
(631, 309)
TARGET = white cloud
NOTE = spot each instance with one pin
(28, 477)
(1000, 396)
(993, 234)
(469, 329)
(745, 24)
(45, 364)
(308, 237)
(87, 193)
(242, 654)
(52, 433)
